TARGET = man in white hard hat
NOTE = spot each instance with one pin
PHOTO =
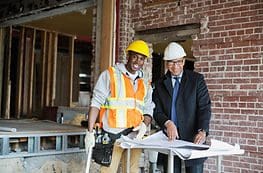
(182, 105)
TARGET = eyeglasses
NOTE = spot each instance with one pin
(177, 62)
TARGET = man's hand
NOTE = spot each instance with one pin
(89, 140)
(200, 137)
(141, 130)
(171, 130)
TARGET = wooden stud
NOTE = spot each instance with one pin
(48, 72)
(43, 65)
(54, 67)
(20, 64)
(2, 36)
(7, 82)
(31, 73)
(107, 31)
(71, 64)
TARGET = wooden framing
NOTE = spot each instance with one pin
(54, 51)
(22, 99)
(71, 64)
(18, 101)
(31, 73)
(43, 69)
(2, 36)
(107, 34)
(26, 72)
(49, 69)
(7, 82)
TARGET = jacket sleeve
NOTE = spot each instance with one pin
(148, 103)
(203, 105)
(159, 114)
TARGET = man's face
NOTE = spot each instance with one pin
(175, 66)
(135, 62)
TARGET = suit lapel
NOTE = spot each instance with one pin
(183, 83)
(168, 83)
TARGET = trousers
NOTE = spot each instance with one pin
(163, 160)
(120, 154)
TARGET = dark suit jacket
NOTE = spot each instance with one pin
(193, 105)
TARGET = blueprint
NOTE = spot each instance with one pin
(183, 149)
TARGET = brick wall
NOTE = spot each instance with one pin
(229, 53)
(126, 30)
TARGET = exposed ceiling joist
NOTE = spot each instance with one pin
(20, 19)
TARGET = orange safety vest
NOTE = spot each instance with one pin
(124, 107)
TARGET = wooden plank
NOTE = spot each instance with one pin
(107, 31)
(48, 72)
(20, 64)
(71, 65)
(43, 65)
(54, 68)
(26, 67)
(48, 30)
(2, 36)
(7, 82)
(31, 73)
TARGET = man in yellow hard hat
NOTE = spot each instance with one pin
(123, 101)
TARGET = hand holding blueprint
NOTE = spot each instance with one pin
(183, 149)
(160, 140)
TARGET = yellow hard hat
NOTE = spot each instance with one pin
(140, 47)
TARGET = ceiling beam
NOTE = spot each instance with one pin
(168, 34)
(39, 14)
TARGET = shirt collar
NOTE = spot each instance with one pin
(123, 69)
(179, 76)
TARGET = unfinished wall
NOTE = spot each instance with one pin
(65, 163)
(229, 53)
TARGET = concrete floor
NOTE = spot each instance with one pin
(62, 163)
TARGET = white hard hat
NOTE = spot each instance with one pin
(173, 51)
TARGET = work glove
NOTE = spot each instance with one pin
(141, 128)
(89, 140)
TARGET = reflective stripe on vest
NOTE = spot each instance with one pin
(125, 106)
